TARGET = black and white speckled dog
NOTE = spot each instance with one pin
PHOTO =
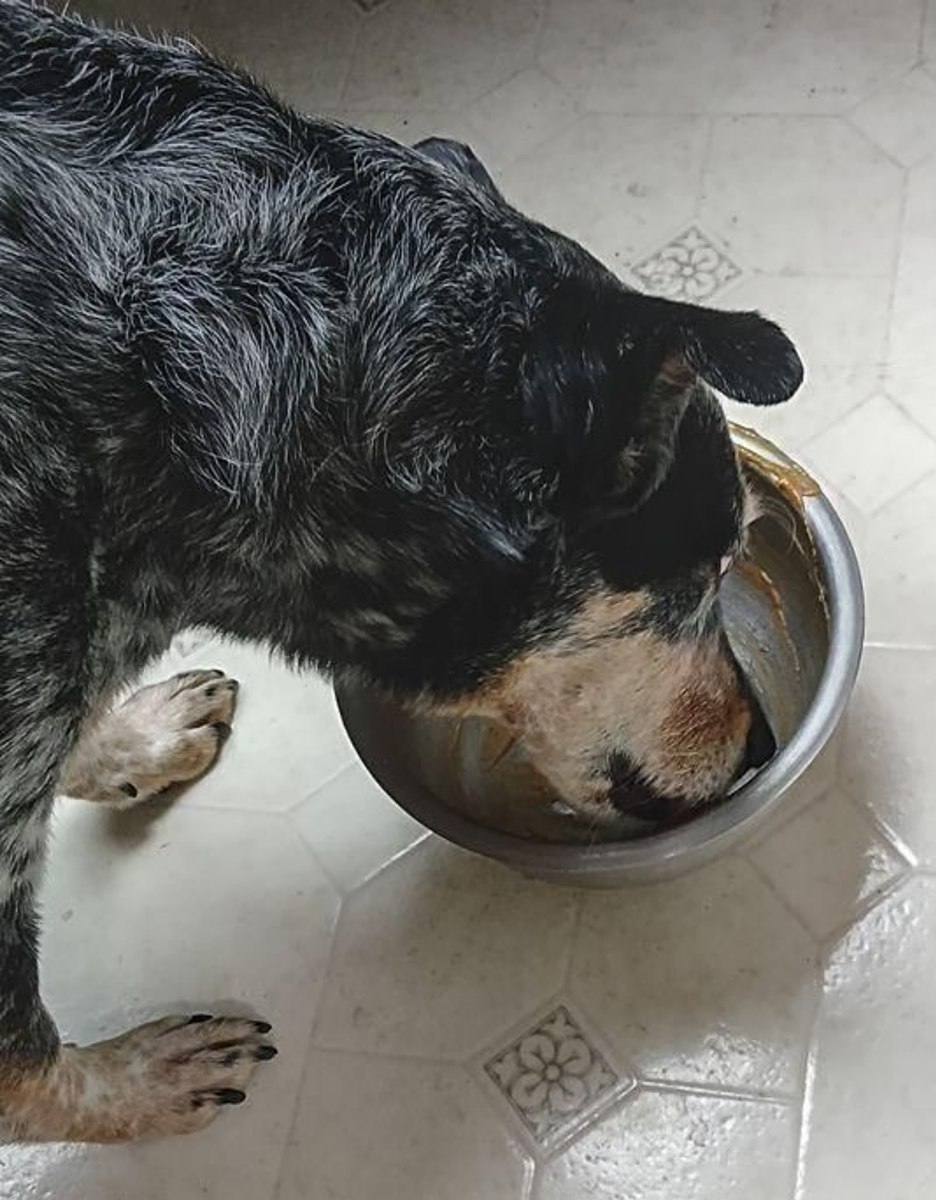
(300, 384)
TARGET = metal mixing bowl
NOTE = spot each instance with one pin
(795, 617)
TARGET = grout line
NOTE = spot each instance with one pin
(715, 1092)
(805, 1109)
(895, 271)
(921, 35)
(704, 160)
(879, 898)
(352, 56)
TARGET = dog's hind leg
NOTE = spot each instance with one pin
(164, 734)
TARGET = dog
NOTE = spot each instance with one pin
(302, 385)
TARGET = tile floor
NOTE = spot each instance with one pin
(765, 1029)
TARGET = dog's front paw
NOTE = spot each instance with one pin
(162, 735)
(166, 1077)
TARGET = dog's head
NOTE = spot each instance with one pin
(625, 689)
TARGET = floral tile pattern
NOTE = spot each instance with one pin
(552, 1075)
(690, 267)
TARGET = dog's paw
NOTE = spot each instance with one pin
(166, 1077)
(162, 735)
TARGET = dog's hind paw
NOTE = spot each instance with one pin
(165, 734)
(166, 1077)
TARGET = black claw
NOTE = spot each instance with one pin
(222, 731)
(129, 790)
(230, 1059)
(265, 1053)
(199, 1018)
(229, 1096)
(262, 1026)
(210, 691)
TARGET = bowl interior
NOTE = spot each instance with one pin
(468, 775)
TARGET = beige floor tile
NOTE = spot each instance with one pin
(660, 1146)
(798, 196)
(418, 1130)
(438, 952)
(708, 979)
(187, 911)
(618, 184)
(828, 862)
(887, 755)
(354, 828)
(869, 1113)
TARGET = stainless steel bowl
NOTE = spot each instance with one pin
(795, 617)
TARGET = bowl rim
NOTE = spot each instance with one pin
(750, 804)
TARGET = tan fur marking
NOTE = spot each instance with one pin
(157, 1079)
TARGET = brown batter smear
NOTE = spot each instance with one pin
(755, 574)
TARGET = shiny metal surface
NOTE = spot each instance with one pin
(795, 617)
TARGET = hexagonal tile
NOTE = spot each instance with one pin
(688, 267)
(913, 315)
(148, 913)
(372, 1129)
(553, 1077)
(520, 114)
(574, 38)
(839, 327)
(617, 184)
(794, 56)
(288, 738)
(802, 196)
(887, 756)
(873, 454)
(405, 59)
(707, 979)
(899, 567)
(902, 117)
(439, 951)
(661, 1145)
(828, 863)
(303, 51)
(354, 828)
(872, 1095)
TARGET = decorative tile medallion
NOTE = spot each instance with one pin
(690, 267)
(552, 1076)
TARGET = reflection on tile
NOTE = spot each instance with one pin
(828, 862)
(771, 183)
(617, 184)
(707, 979)
(354, 827)
(689, 267)
(660, 1146)
(899, 567)
(858, 455)
(887, 760)
(438, 951)
(553, 1076)
(869, 1132)
(372, 1129)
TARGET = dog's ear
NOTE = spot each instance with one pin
(461, 160)
(741, 354)
(607, 376)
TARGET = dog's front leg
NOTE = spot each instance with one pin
(164, 734)
(169, 1076)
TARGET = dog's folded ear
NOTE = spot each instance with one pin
(741, 354)
(461, 160)
(608, 373)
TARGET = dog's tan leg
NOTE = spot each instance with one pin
(168, 733)
(170, 1076)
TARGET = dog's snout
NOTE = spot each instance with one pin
(761, 744)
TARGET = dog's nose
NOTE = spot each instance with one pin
(761, 743)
